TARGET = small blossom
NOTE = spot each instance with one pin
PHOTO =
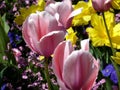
(113, 77)
(71, 35)
(14, 38)
(108, 70)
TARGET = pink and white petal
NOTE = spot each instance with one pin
(75, 12)
(49, 42)
(34, 23)
(64, 10)
(26, 37)
(51, 9)
(85, 44)
(90, 82)
(30, 36)
(44, 18)
(48, 23)
(70, 17)
(49, 2)
(77, 69)
(60, 54)
(71, 71)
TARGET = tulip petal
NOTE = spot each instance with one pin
(64, 10)
(60, 54)
(75, 12)
(85, 44)
(30, 32)
(49, 42)
(52, 8)
(48, 23)
(49, 2)
(90, 82)
(79, 70)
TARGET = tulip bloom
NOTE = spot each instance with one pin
(101, 5)
(42, 33)
(75, 70)
(63, 11)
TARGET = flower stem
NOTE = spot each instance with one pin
(107, 31)
(113, 51)
(47, 73)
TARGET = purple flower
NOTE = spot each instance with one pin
(113, 77)
(6, 86)
(3, 87)
(86, 0)
(108, 70)
(14, 38)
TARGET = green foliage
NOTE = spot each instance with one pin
(4, 28)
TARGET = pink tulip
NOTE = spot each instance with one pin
(62, 11)
(75, 70)
(42, 33)
(101, 5)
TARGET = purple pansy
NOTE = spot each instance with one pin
(110, 71)
(113, 77)
(14, 38)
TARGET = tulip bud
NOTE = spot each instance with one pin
(74, 69)
(101, 5)
(42, 33)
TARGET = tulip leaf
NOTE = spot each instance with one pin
(4, 28)
(5, 25)
(108, 84)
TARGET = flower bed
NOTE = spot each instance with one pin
(66, 45)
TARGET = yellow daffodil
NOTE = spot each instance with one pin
(85, 16)
(98, 34)
(116, 4)
(116, 58)
(24, 12)
(116, 36)
(71, 35)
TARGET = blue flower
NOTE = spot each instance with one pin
(86, 0)
(11, 37)
(108, 70)
(17, 37)
(113, 77)
(3, 87)
(14, 38)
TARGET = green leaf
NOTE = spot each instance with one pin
(55, 87)
(108, 84)
(4, 28)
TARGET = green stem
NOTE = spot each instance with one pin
(117, 71)
(107, 31)
(113, 51)
(47, 74)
